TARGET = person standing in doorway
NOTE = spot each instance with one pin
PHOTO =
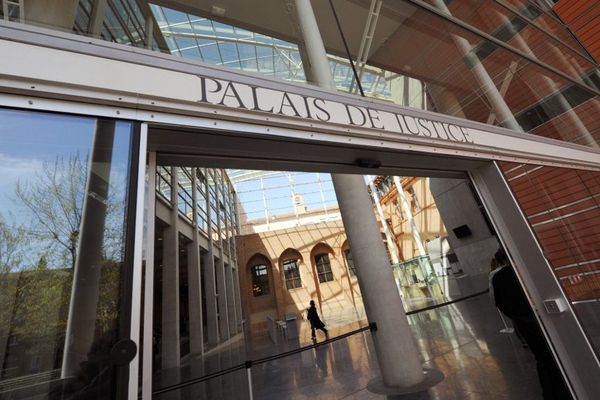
(315, 322)
(512, 302)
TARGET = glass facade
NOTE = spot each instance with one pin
(63, 260)
(506, 63)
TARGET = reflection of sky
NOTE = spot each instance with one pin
(279, 190)
(31, 140)
(26, 142)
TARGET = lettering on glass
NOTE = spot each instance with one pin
(254, 98)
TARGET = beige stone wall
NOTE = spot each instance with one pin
(303, 242)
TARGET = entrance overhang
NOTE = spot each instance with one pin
(62, 72)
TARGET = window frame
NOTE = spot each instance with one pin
(263, 277)
(324, 272)
(295, 281)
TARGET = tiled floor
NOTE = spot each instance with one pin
(462, 340)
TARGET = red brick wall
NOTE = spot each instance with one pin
(562, 207)
(583, 18)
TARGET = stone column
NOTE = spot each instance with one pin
(230, 300)
(194, 278)
(208, 270)
(170, 342)
(97, 18)
(220, 266)
(60, 14)
(81, 322)
(212, 322)
(396, 350)
(222, 298)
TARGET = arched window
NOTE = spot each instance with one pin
(291, 270)
(260, 280)
(323, 267)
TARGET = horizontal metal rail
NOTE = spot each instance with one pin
(248, 364)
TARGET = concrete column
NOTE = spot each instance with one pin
(222, 298)
(221, 274)
(194, 279)
(208, 269)
(411, 220)
(59, 14)
(391, 243)
(230, 300)
(195, 297)
(212, 323)
(149, 28)
(97, 17)
(170, 342)
(81, 323)
(238, 300)
(231, 310)
(396, 351)
(234, 265)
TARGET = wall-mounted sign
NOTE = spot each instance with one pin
(253, 98)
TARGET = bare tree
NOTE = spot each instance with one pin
(12, 239)
(54, 197)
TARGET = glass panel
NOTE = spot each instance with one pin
(350, 261)
(63, 208)
(291, 270)
(323, 268)
(260, 280)
(562, 207)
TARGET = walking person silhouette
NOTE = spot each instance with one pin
(315, 322)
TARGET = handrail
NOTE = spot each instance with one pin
(248, 364)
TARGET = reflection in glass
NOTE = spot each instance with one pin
(63, 203)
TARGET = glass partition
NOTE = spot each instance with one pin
(63, 265)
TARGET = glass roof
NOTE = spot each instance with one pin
(217, 43)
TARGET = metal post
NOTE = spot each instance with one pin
(148, 335)
(249, 375)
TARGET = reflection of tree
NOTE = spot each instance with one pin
(34, 299)
(54, 196)
(12, 238)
